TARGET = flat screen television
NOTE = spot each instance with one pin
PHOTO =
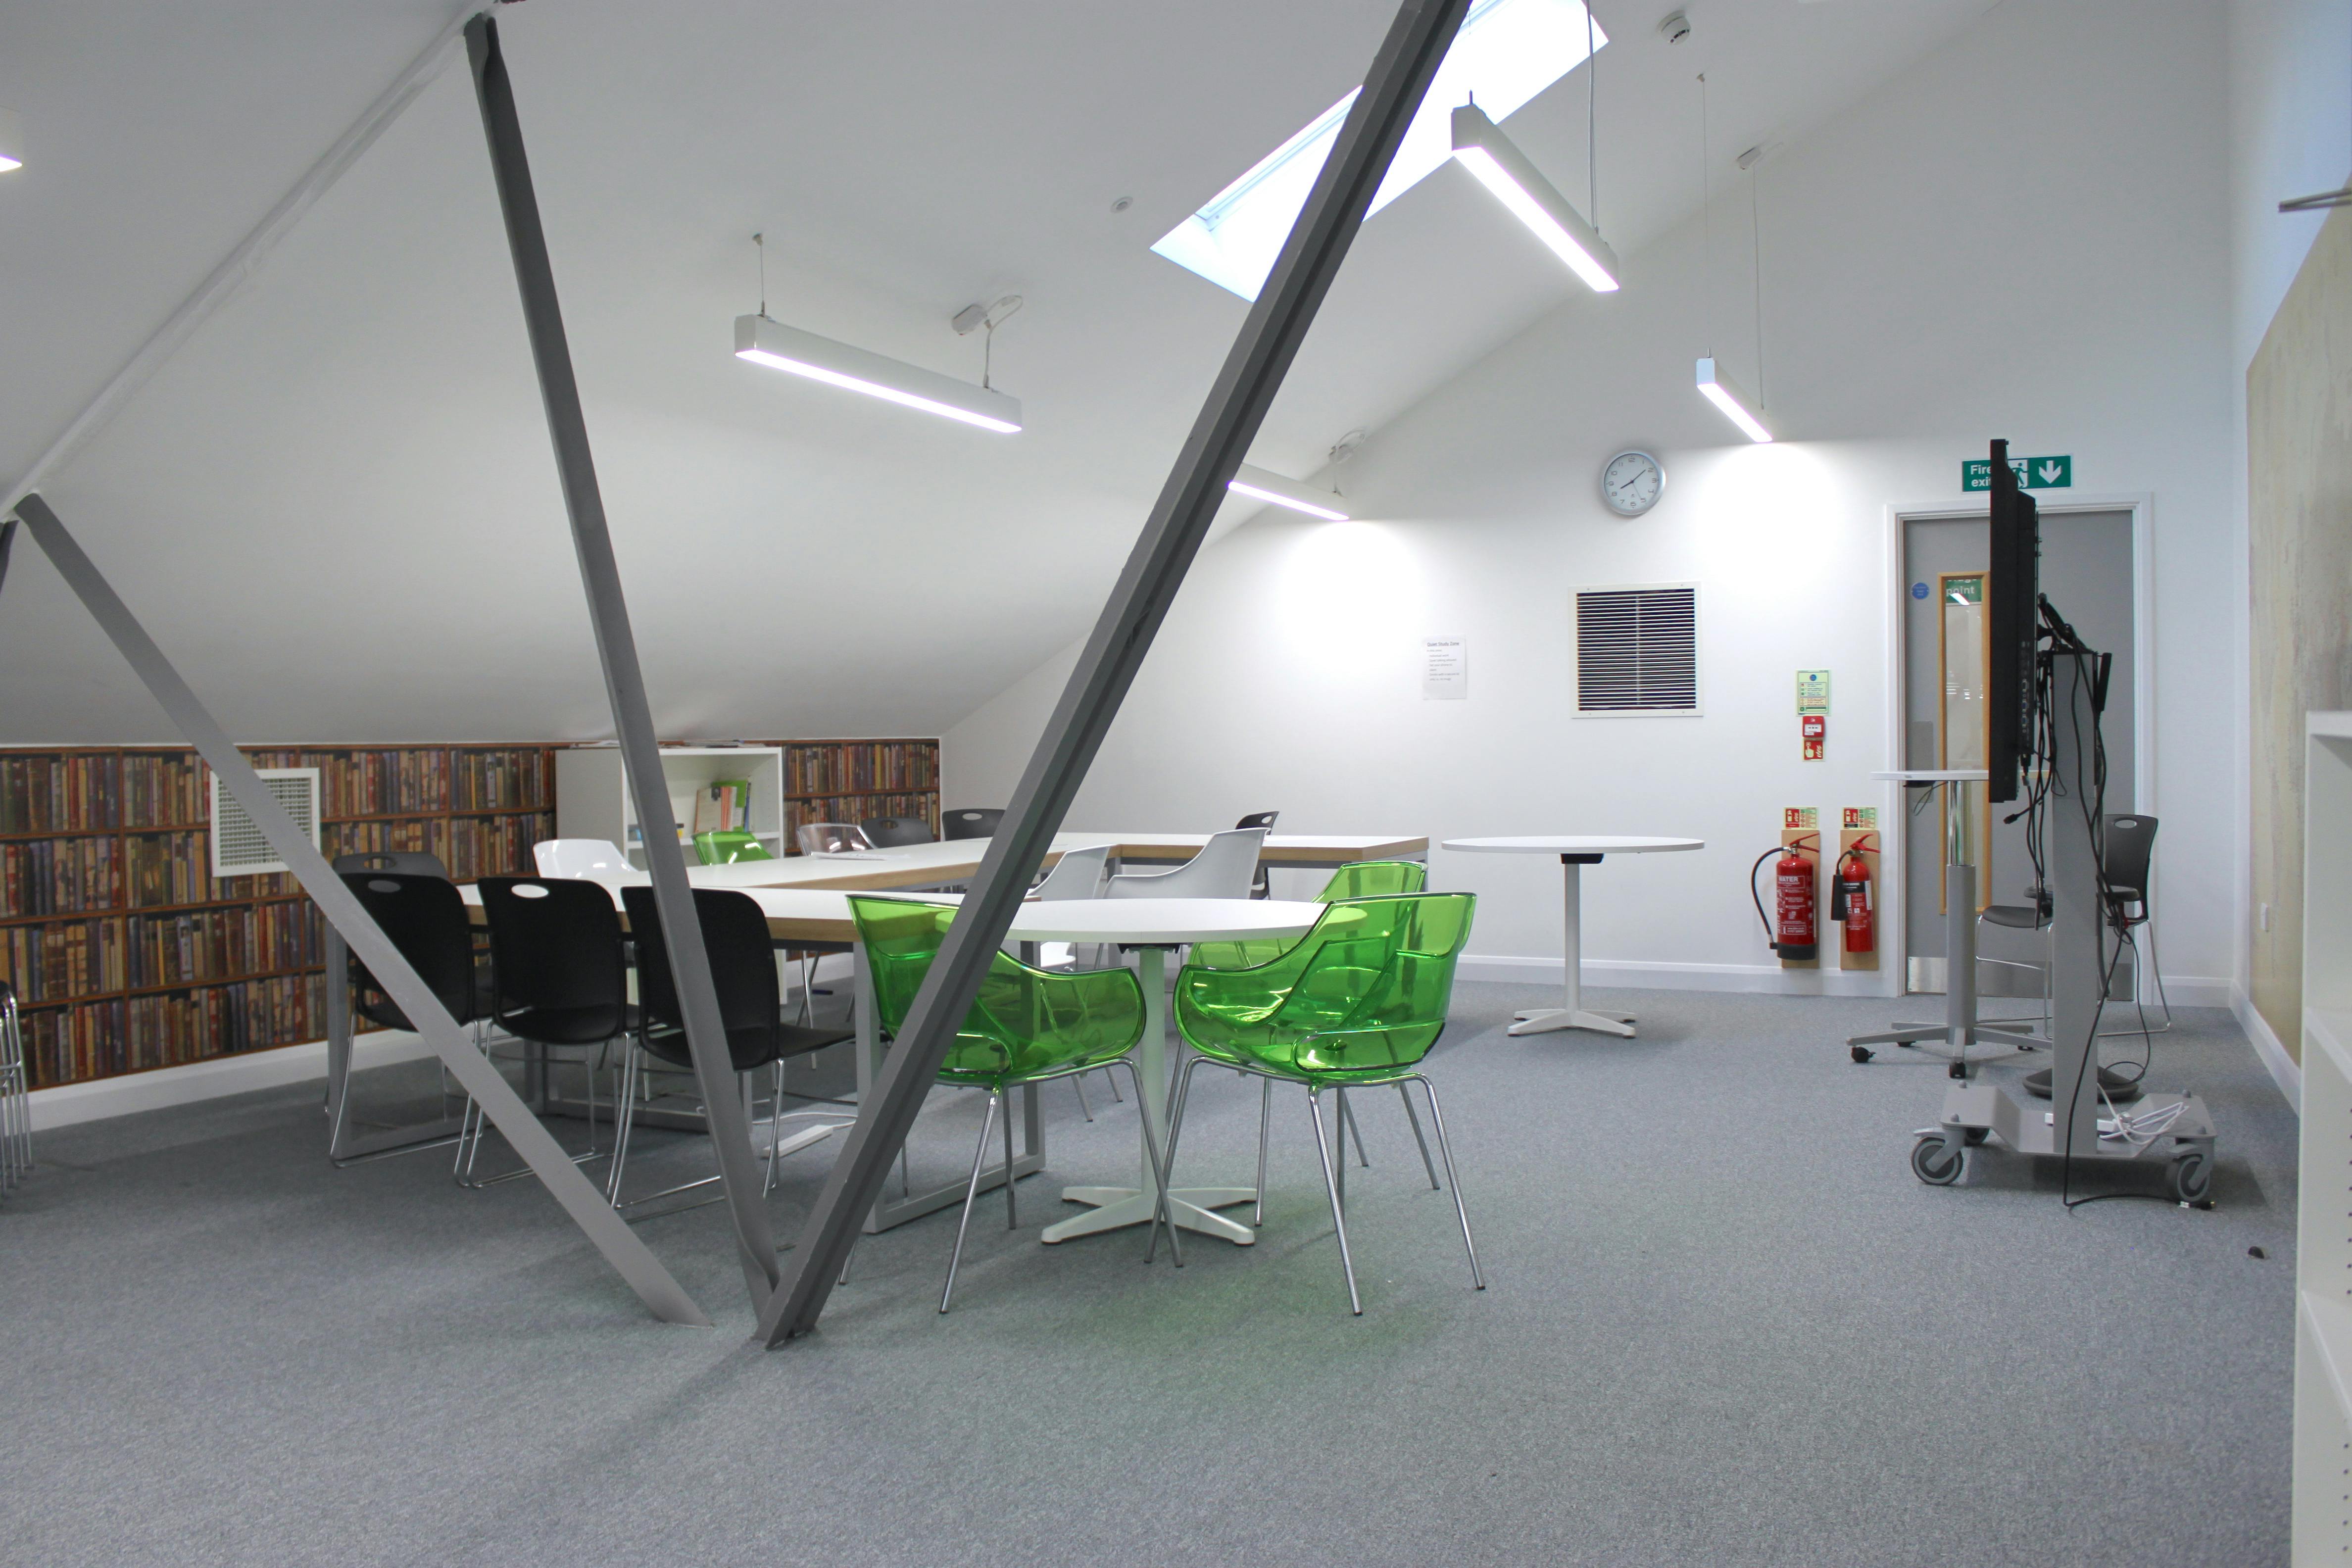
(2012, 593)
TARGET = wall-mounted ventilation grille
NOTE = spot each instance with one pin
(239, 847)
(1637, 649)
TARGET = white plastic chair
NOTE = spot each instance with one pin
(1078, 874)
(580, 858)
(1224, 868)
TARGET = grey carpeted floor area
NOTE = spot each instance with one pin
(1724, 1326)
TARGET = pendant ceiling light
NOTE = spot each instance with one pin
(1263, 484)
(1713, 385)
(1480, 146)
(760, 340)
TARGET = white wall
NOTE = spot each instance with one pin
(2023, 236)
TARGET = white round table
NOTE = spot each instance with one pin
(1576, 851)
(1153, 926)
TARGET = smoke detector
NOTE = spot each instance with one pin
(1674, 28)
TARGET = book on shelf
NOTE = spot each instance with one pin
(724, 805)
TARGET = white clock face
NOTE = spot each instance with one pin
(1632, 483)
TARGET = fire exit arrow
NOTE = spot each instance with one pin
(2057, 473)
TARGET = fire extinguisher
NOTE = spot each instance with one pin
(1793, 895)
(1850, 900)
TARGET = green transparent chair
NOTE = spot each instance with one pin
(1358, 880)
(1358, 1002)
(1026, 1026)
(728, 847)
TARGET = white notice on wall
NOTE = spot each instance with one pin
(1444, 670)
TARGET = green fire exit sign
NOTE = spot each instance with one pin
(2032, 473)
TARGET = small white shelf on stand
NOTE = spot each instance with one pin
(1576, 851)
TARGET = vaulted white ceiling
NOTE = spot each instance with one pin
(336, 506)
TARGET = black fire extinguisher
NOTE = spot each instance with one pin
(1792, 934)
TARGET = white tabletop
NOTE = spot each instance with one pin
(1932, 775)
(1575, 844)
(1138, 922)
(1153, 922)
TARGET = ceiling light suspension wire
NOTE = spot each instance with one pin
(1707, 224)
(1756, 263)
(1592, 120)
(759, 241)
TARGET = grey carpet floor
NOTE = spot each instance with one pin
(1724, 1326)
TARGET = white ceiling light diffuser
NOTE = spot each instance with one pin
(12, 141)
(763, 341)
(1734, 403)
(1263, 484)
(1480, 146)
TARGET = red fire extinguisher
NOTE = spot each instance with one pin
(1793, 934)
(1850, 900)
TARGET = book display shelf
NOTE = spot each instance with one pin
(849, 781)
(127, 955)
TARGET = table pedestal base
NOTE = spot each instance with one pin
(1542, 1019)
(1115, 1207)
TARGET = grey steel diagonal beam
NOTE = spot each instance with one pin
(617, 650)
(1401, 73)
(661, 1294)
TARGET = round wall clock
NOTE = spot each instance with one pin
(1632, 483)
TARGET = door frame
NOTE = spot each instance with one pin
(1895, 847)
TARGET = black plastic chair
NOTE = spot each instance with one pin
(893, 832)
(426, 917)
(374, 1004)
(1259, 886)
(750, 1007)
(560, 982)
(973, 821)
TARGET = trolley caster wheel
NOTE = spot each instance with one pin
(2192, 1177)
(1957, 1070)
(1975, 1135)
(1864, 1054)
(1934, 1165)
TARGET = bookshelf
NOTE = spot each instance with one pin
(849, 781)
(129, 955)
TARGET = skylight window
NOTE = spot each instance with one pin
(1506, 52)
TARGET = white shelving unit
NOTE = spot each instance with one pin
(592, 793)
(2322, 1335)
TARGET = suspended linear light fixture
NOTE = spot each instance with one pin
(1713, 385)
(12, 141)
(762, 339)
(1480, 146)
(1263, 484)
(1718, 390)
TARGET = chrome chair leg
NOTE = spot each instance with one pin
(1265, 1118)
(624, 1119)
(1414, 1117)
(1112, 1078)
(1012, 1220)
(1151, 1154)
(1347, 1119)
(1437, 1119)
(906, 1180)
(1167, 1166)
(1331, 1186)
(775, 1128)
(979, 1158)
(1078, 1082)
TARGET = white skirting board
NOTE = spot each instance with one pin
(2283, 1071)
(1770, 979)
(164, 1088)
